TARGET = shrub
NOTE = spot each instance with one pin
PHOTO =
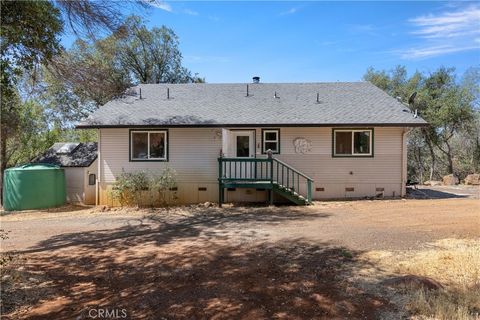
(145, 188)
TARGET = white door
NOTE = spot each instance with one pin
(243, 143)
(242, 146)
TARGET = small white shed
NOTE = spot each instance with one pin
(79, 160)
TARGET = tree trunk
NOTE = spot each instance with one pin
(420, 164)
(450, 158)
(448, 154)
(433, 158)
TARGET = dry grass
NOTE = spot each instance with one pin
(448, 304)
(454, 263)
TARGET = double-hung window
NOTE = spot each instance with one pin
(148, 145)
(271, 140)
(353, 142)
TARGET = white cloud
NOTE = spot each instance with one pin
(432, 51)
(214, 18)
(361, 28)
(449, 24)
(190, 12)
(289, 12)
(161, 5)
(445, 33)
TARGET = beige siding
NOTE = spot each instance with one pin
(90, 191)
(74, 183)
(193, 154)
(364, 175)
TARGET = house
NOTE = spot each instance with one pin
(326, 140)
(79, 161)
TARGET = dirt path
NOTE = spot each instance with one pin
(234, 262)
(359, 225)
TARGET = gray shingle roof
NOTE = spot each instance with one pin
(69, 154)
(341, 103)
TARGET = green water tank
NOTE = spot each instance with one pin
(33, 186)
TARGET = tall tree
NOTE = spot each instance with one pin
(29, 36)
(448, 107)
(89, 71)
(93, 72)
(152, 56)
(29, 33)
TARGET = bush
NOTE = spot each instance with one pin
(145, 188)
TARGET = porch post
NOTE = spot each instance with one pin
(220, 194)
(220, 183)
(309, 190)
(270, 158)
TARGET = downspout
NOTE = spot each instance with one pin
(404, 162)
(99, 143)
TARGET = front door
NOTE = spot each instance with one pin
(242, 146)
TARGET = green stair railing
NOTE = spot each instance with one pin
(290, 178)
(271, 171)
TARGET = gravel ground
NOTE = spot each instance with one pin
(359, 225)
(445, 192)
(206, 262)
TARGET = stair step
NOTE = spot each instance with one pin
(290, 194)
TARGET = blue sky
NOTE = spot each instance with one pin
(319, 41)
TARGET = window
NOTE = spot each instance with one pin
(92, 179)
(271, 140)
(148, 145)
(243, 146)
(353, 142)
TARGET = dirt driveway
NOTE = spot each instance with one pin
(206, 262)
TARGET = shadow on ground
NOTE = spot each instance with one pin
(180, 270)
(426, 193)
(162, 226)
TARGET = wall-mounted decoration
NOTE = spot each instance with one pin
(217, 134)
(302, 145)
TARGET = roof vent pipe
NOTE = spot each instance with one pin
(140, 93)
(168, 93)
(256, 79)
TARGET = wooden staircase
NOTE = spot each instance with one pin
(290, 194)
(264, 173)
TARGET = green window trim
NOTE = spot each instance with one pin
(166, 145)
(353, 155)
(277, 140)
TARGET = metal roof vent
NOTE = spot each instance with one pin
(65, 148)
(256, 79)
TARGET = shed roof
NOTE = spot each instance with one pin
(267, 104)
(69, 154)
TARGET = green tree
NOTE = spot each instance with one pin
(89, 71)
(92, 73)
(449, 108)
(29, 36)
(151, 56)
